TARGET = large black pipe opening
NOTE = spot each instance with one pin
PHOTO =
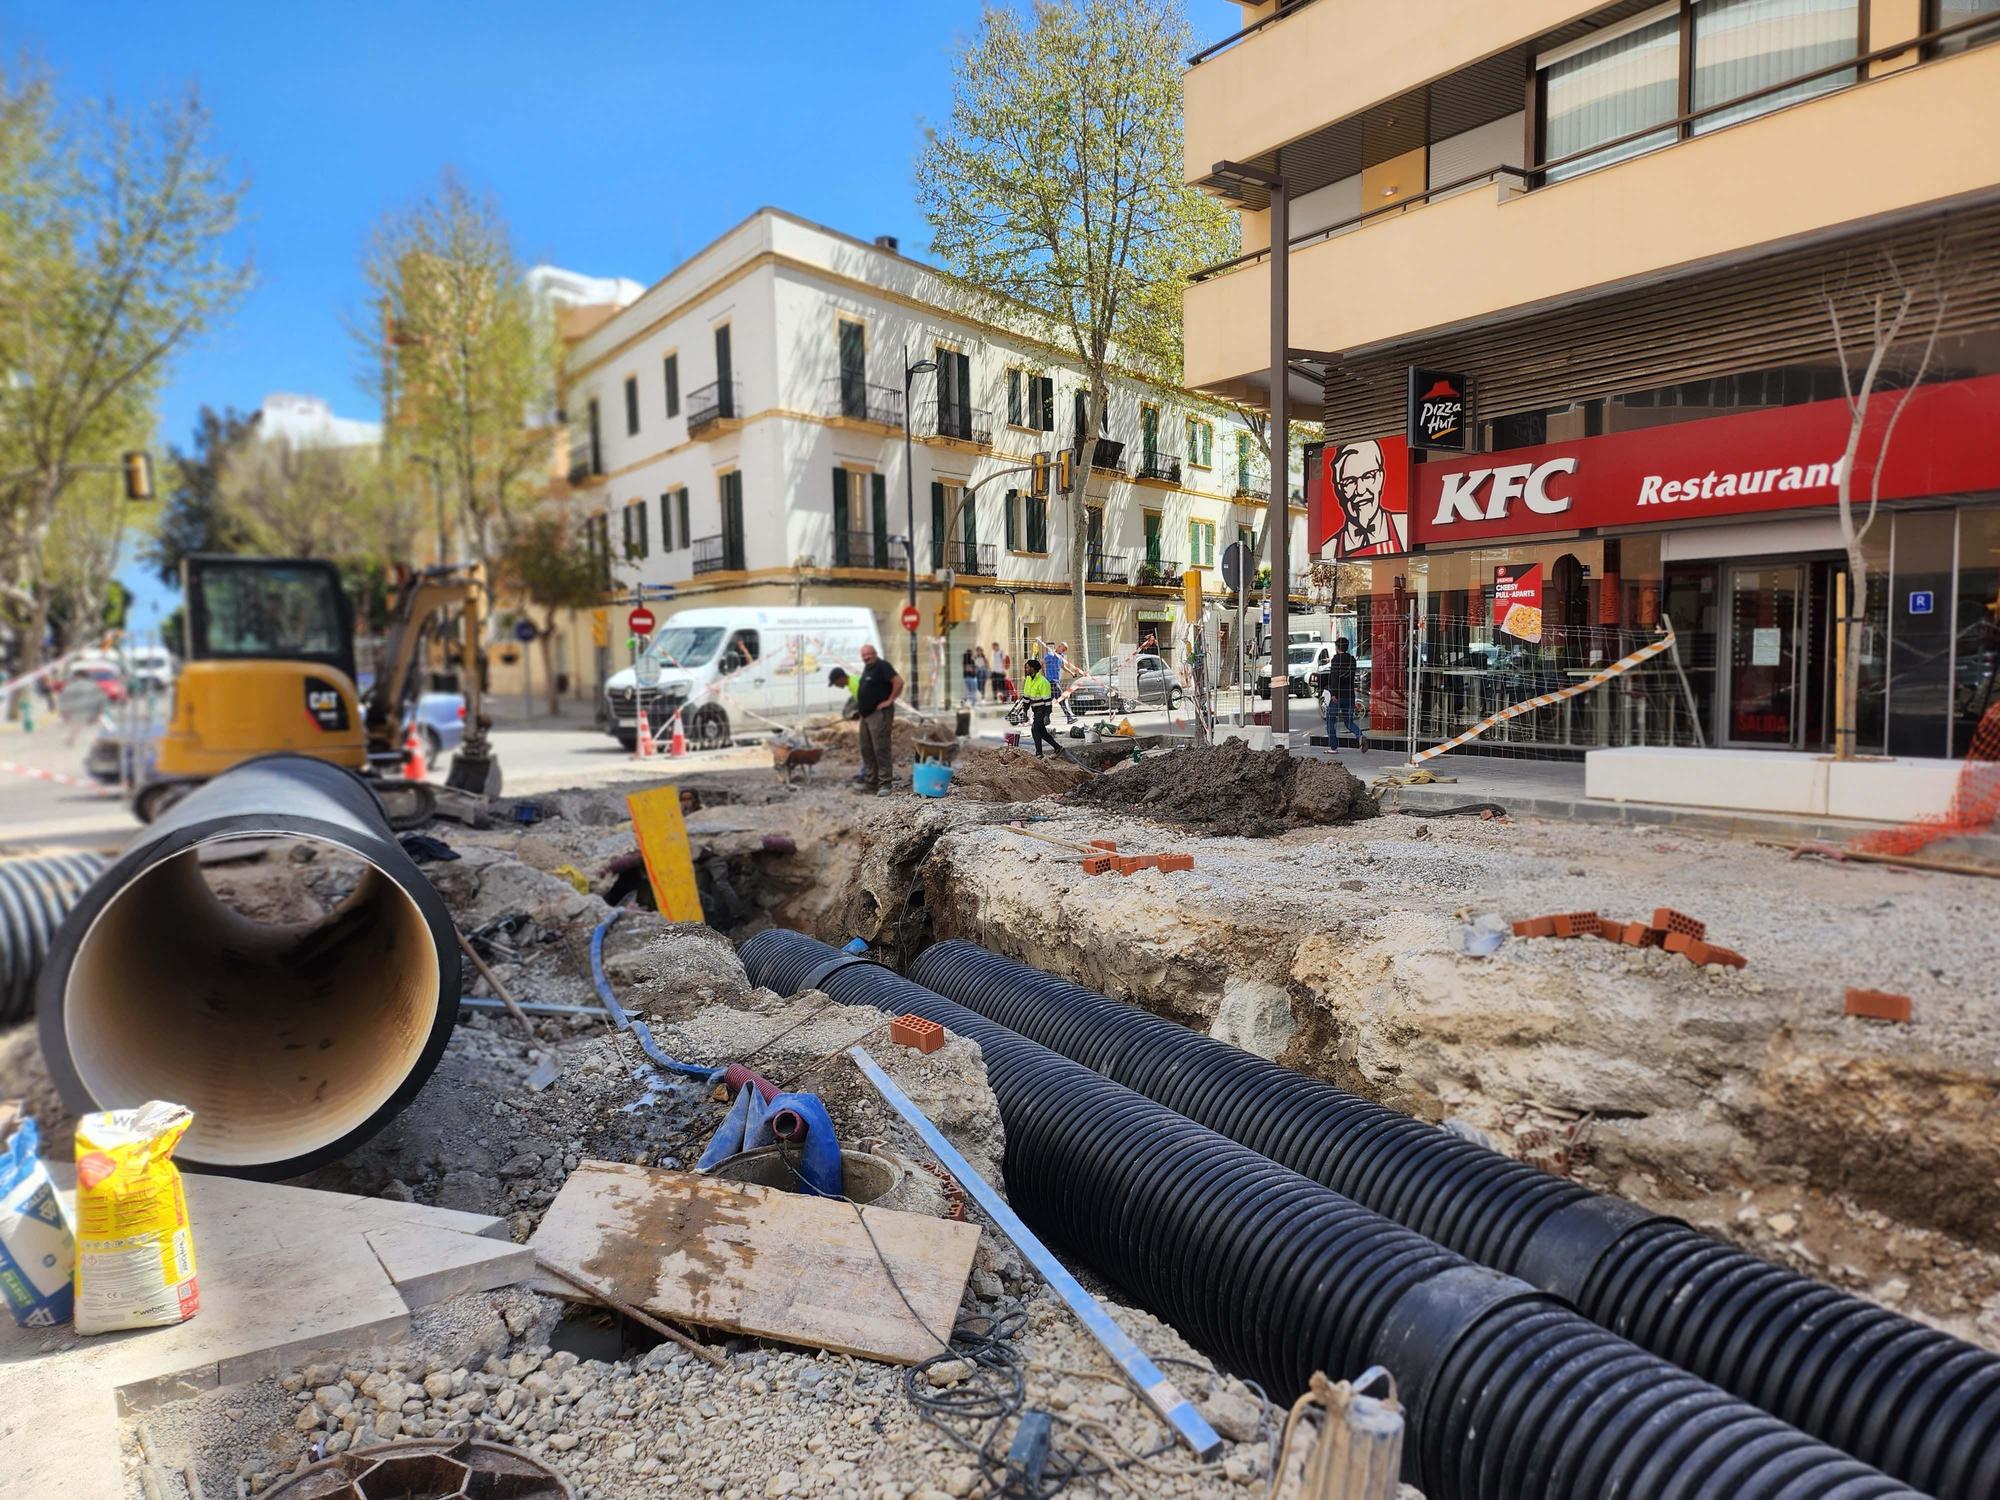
(1912, 1401)
(292, 1039)
(1510, 1395)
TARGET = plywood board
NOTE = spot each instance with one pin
(760, 1261)
(663, 844)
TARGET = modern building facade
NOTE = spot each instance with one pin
(738, 433)
(1653, 244)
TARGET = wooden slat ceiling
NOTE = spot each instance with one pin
(1483, 91)
(1758, 315)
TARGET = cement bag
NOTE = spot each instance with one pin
(134, 1252)
(37, 1254)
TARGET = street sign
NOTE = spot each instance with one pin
(910, 618)
(647, 669)
(524, 631)
(640, 621)
(1235, 565)
(1922, 601)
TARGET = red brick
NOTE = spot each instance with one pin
(1110, 844)
(915, 1031)
(1535, 927)
(1728, 956)
(1176, 862)
(1677, 942)
(1575, 924)
(1666, 919)
(1131, 864)
(1878, 1005)
(1098, 864)
(1636, 935)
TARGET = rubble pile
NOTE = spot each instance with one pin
(979, 773)
(1228, 788)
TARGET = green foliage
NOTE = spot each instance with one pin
(1055, 193)
(550, 562)
(192, 516)
(343, 504)
(463, 357)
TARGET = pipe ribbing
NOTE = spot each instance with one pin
(1510, 1394)
(1903, 1397)
(292, 1042)
(35, 895)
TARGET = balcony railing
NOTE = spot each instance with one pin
(858, 401)
(869, 549)
(718, 554)
(1252, 488)
(946, 419)
(1105, 567)
(1157, 463)
(718, 401)
(1159, 572)
(977, 559)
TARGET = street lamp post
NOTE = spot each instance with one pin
(910, 374)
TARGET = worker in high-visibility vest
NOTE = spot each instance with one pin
(1041, 698)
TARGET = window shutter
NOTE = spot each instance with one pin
(639, 517)
(625, 523)
(1012, 539)
(1014, 398)
(878, 503)
(681, 504)
(937, 524)
(667, 522)
(840, 518)
(671, 369)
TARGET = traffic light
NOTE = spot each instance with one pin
(1064, 469)
(138, 465)
(1038, 476)
(1191, 594)
(954, 608)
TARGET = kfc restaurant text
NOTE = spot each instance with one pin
(1497, 576)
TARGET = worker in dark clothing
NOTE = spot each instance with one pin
(1340, 681)
(875, 698)
(1041, 698)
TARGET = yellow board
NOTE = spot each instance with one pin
(663, 842)
(600, 628)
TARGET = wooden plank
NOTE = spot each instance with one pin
(663, 843)
(759, 1261)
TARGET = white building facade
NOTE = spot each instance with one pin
(737, 432)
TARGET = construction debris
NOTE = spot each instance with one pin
(1672, 930)
(1878, 1005)
(1228, 788)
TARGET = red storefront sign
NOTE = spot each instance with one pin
(1783, 459)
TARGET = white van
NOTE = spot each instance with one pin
(737, 670)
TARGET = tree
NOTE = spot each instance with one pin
(192, 517)
(550, 562)
(463, 358)
(113, 236)
(315, 501)
(1055, 193)
(1892, 305)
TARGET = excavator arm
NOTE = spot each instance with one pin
(423, 601)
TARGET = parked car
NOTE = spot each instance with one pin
(440, 721)
(1300, 661)
(1098, 691)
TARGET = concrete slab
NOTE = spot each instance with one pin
(1892, 791)
(429, 1265)
(1767, 781)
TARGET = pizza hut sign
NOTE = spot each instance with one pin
(1439, 412)
(1786, 458)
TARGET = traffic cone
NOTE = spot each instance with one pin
(678, 745)
(645, 746)
(414, 768)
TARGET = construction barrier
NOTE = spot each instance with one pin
(58, 778)
(1974, 806)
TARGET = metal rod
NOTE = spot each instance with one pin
(1161, 1394)
(644, 1319)
(494, 980)
(536, 1007)
(1278, 519)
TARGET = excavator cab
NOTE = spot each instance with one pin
(269, 667)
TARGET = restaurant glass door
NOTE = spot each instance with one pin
(1762, 696)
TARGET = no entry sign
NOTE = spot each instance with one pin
(909, 618)
(640, 621)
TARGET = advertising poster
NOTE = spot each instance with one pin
(1517, 601)
(1366, 510)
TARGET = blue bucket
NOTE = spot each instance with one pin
(930, 778)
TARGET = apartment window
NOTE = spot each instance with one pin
(681, 514)
(667, 523)
(1149, 435)
(670, 371)
(853, 339)
(1035, 523)
(860, 519)
(1200, 443)
(633, 523)
(639, 515)
(1153, 522)
(1242, 463)
(954, 393)
(1042, 402)
(596, 442)
(1606, 87)
(1016, 398)
(631, 406)
(1201, 544)
(1943, 13)
(1744, 45)
(725, 375)
(597, 535)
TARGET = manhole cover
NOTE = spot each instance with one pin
(427, 1469)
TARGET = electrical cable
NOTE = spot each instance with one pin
(631, 1023)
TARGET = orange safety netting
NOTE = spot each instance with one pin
(1975, 801)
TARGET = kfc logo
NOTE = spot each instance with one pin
(1459, 500)
(1368, 483)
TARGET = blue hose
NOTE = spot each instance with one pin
(627, 1022)
(799, 1123)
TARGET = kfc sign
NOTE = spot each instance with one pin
(1439, 411)
(1361, 502)
(1786, 458)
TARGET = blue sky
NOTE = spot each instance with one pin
(617, 138)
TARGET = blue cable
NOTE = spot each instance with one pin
(626, 1022)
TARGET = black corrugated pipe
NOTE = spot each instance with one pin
(35, 895)
(292, 1041)
(1905, 1398)
(1511, 1396)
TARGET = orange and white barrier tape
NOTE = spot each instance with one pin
(1597, 679)
(14, 767)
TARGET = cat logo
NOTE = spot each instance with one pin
(326, 705)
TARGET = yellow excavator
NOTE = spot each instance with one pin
(268, 666)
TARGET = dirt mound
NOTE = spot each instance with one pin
(1231, 789)
(980, 773)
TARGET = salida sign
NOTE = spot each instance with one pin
(1782, 459)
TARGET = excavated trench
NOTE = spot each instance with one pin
(1742, 1101)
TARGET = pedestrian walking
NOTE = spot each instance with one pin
(1035, 689)
(1340, 679)
(1054, 663)
(969, 669)
(1003, 675)
(983, 670)
(875, 700)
